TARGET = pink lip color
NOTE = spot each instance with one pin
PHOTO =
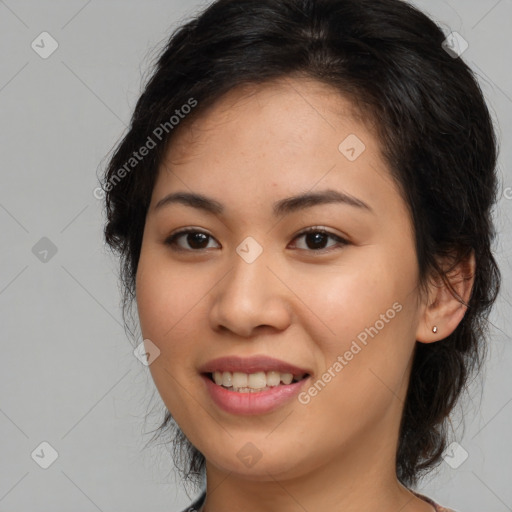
(259, 402)
(251, 365)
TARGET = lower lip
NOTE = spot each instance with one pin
(259, 402)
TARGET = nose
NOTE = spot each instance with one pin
(249, 298)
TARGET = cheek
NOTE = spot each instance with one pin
(166, 296)
(168, 304)
(354, 296)
(364, 327)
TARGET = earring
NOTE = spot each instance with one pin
(434, 329)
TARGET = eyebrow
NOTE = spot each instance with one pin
(281, 207)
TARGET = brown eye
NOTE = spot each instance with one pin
(316, 239)
(195, 240)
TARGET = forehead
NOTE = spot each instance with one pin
(283, 137)
(287, 110)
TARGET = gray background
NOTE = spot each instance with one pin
(68, 375)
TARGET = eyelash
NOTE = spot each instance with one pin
(171, 241)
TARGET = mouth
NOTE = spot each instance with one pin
(255, 382)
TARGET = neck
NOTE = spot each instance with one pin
(362, 479)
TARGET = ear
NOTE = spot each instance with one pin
(441, 308)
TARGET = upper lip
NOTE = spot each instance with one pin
(251, 365)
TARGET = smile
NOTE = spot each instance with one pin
(253, 382)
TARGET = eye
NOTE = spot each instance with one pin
(316, 237)
(197, 240)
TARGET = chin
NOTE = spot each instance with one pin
(250, 463)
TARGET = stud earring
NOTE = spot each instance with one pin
(434, 329)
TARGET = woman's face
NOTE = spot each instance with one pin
(249, 285)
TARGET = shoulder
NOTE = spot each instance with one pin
(439, 508)
(198, 503)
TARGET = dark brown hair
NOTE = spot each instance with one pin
(436, 134)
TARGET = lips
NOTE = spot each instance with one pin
(252, 364)
(253, 396)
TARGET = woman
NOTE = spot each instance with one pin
(302, 207)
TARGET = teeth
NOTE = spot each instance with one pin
(239, 379)
(256, 380)
(244, 382)
(273, 378)
(217, 377)
(226, 379)
(286, 378)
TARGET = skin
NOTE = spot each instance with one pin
(258, 145)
